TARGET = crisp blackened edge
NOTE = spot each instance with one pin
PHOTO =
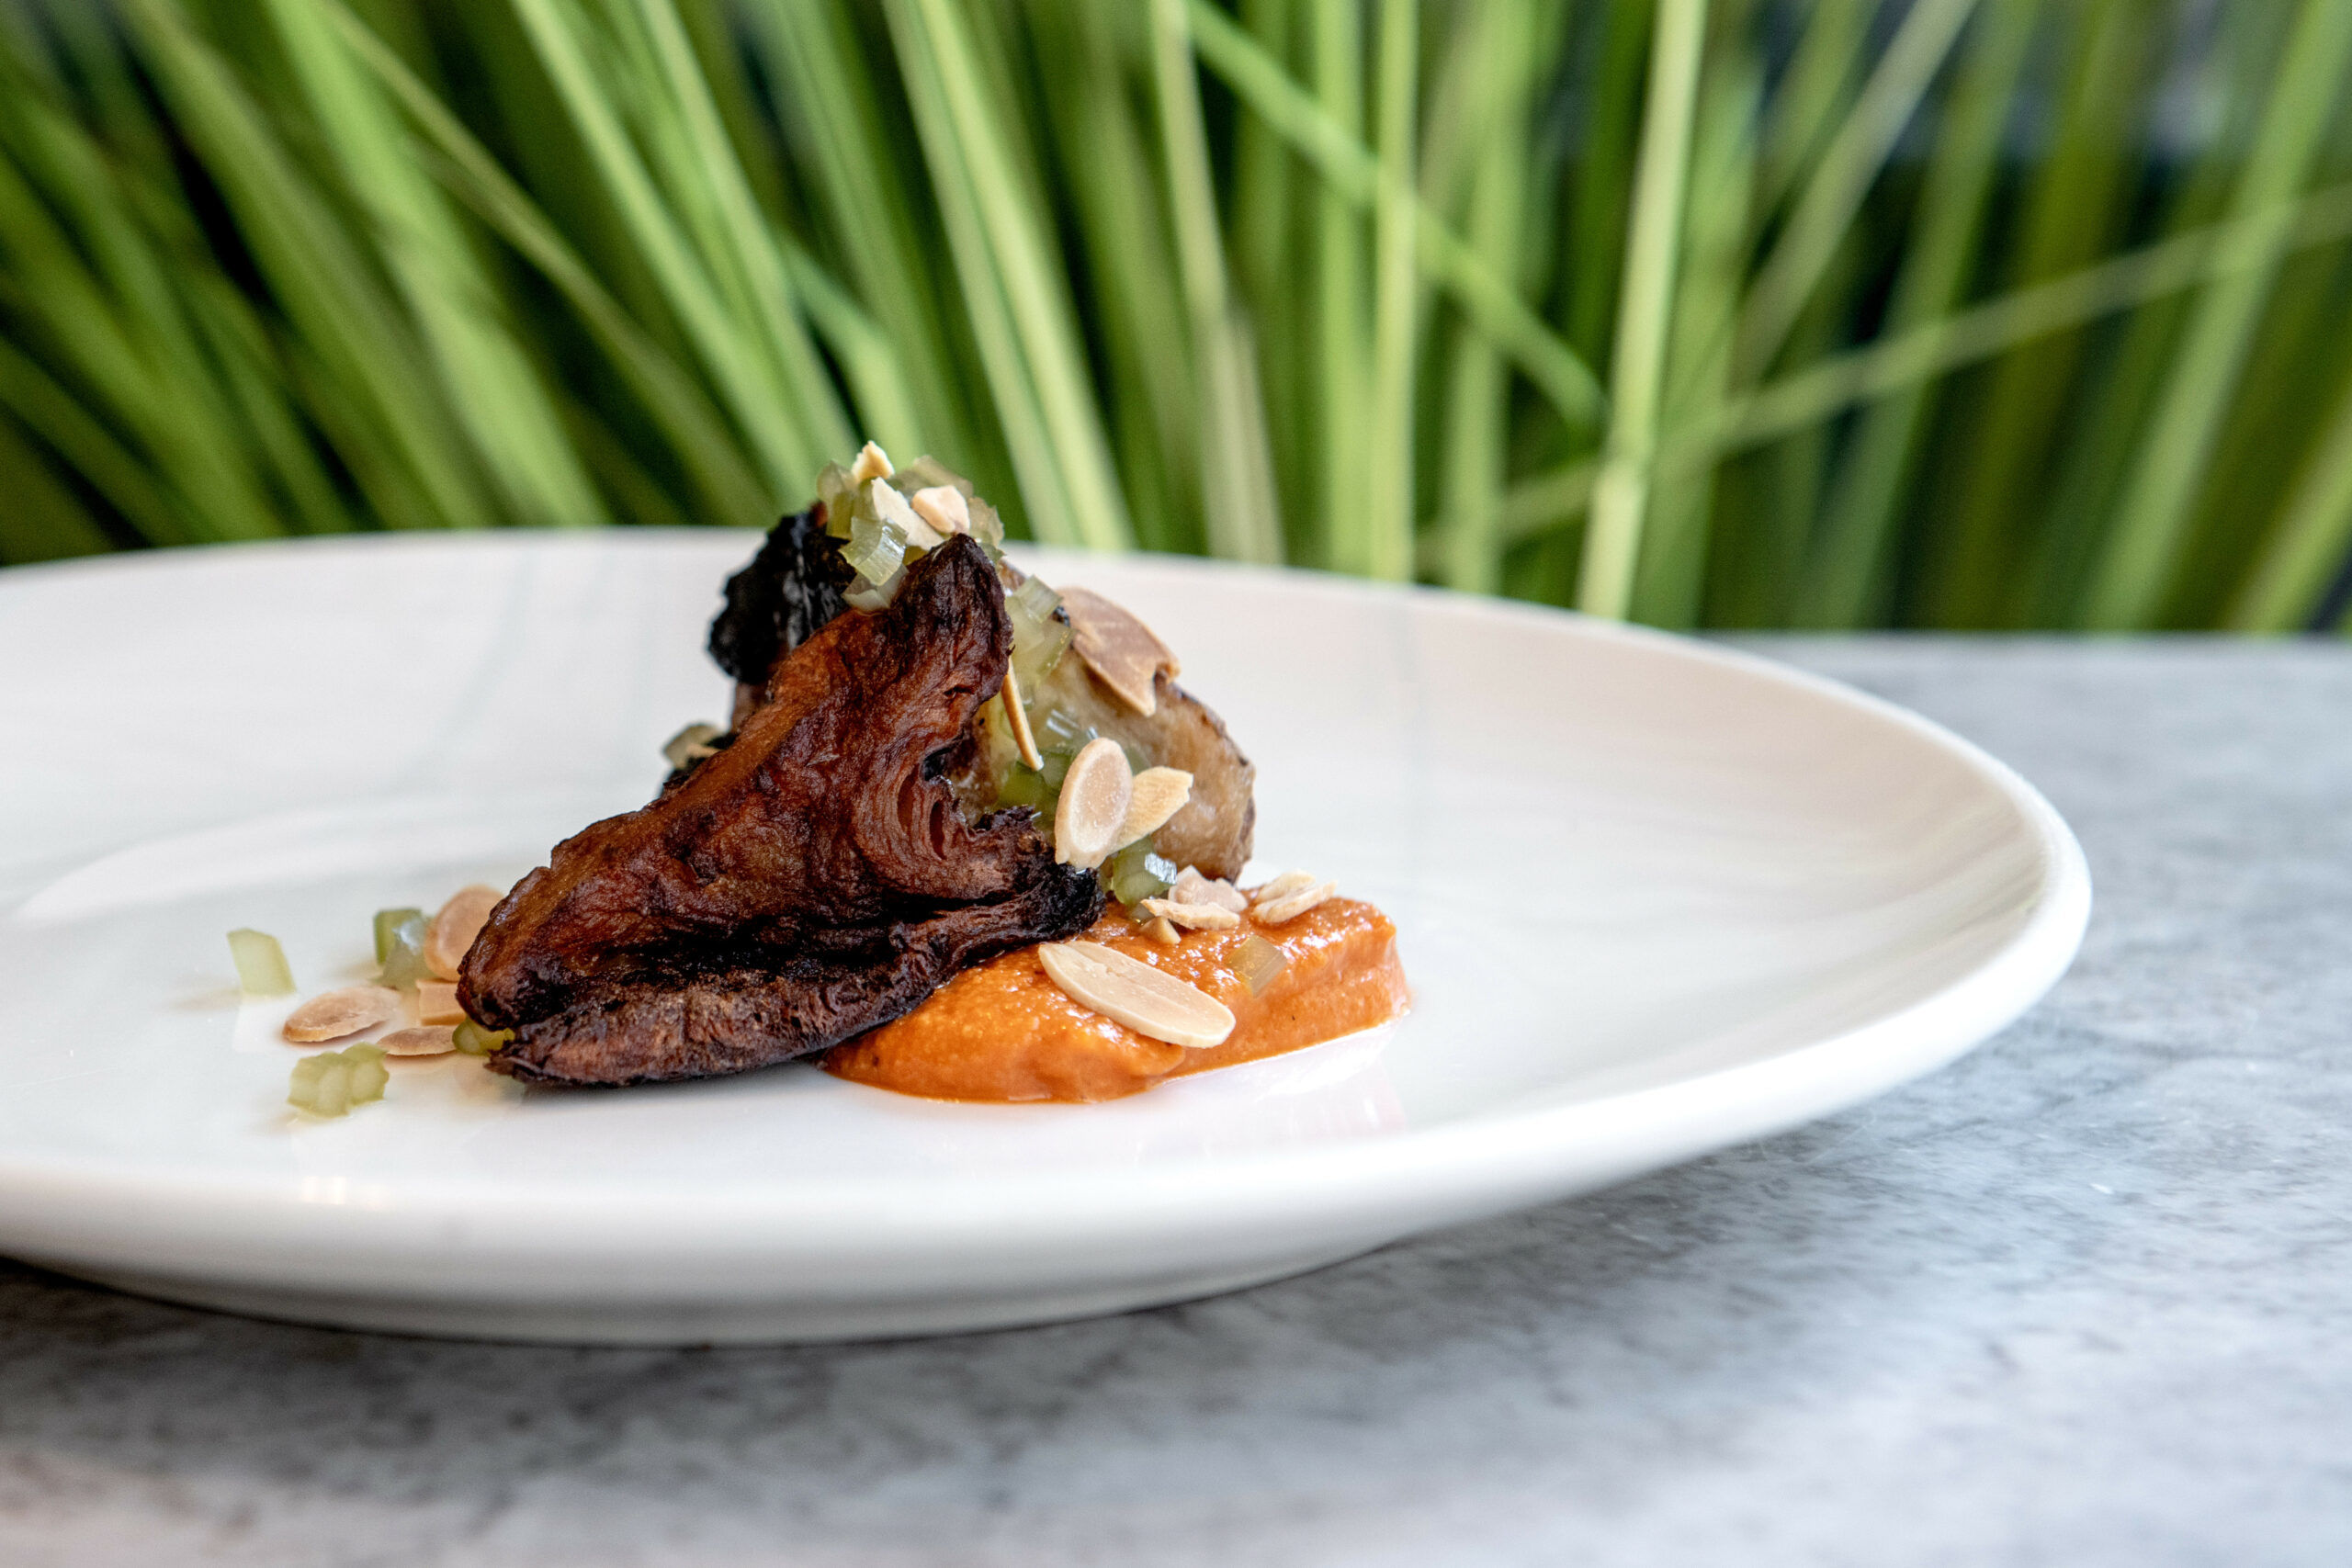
(777, 603)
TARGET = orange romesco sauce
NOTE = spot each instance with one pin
(1002, 1031)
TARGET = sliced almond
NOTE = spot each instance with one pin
(1192, 888)
(892, 508)
(430, 1040)
(1288, 907)
(1283, 886)
(1159, 794)
(872, 463)
(1016, 718)
(338, 1013)
(1164, 932)
(436, 1002)
(1122, 651)
(453, 930)
(1095, 793)
(1193, 917)
(1129, 991)
(944, 508)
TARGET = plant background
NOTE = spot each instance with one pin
(1956, 313)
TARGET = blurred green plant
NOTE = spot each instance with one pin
(1964, 313)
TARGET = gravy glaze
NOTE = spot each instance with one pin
(1002, 1031)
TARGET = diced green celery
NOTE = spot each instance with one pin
(838, 492)
(986, 527)
(1024, 785)
(876, 551)
(400, 937)
(1057, 731)
(927, 472)
(1039, 636)
(368, 1077)
(475, 1041)
(1257, 961)
(388, 925)
(1134, 874)
(331, 1082)
(262, 970)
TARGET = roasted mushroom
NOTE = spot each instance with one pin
(811, 880)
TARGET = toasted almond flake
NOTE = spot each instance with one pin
(428, 1041)
(1164, 932)
(1159, 794)
(1127, 990)
(436, 1002)
(1016, 718)
(1198, 917)
(892, 508)
(1192, 888)
(691, 745)
(1094, 802)
(1122, 651)
(1283, 886)
(338, 1013)
(1282, 910)
(944, 508)
(872, 463)
(454, 928)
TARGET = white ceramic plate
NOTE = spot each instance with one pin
(1654, 899)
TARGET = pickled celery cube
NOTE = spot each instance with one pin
(262, 969)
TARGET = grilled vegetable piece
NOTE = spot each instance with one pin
(778, 601)
(812, 880)
(1215, 827)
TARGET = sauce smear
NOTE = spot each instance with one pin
(1002, 1031)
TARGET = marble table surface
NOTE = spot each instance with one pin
(2083, 1299)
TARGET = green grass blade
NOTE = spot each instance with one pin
(1842, 381)
(1467, 551)
(1613, 543)
(1240, 520)
(789, 455)
(1812, 100)
(1670, 578)
(2075, 208)
(1342, 335)
(2133, 576)
(741, 241)
(1046, 500)
(1845, 582)
(1033, 285)
(117, 474)
(831, 98)
(1825, 211)
(500, 400)
(42, 520)
(1115, 173)
(1381, 544)
(1602, 183)
(890, 411)
(696, 432)
(2308, 549)
(1354, 172)
(399, 440)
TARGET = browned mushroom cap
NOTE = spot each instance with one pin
(1125, 654)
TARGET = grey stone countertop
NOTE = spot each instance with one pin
(2080, 1299)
